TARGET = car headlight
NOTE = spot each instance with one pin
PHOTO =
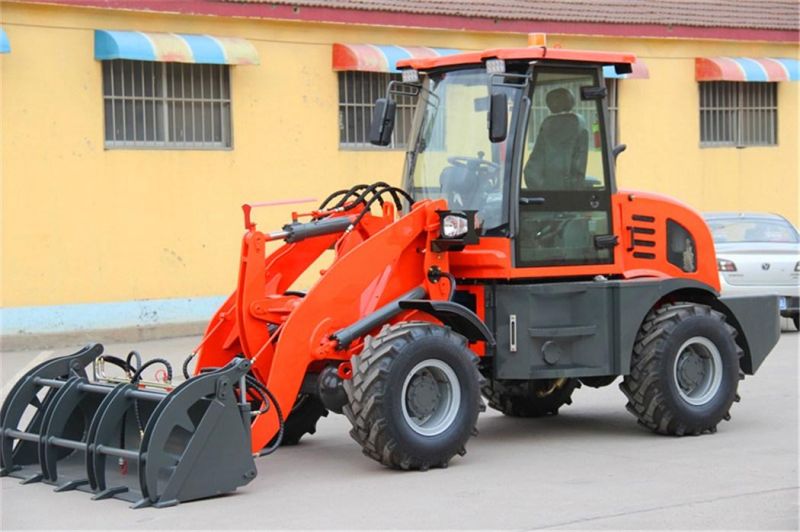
(725, 265)
(454, 225)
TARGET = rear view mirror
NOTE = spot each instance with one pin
(380, 130)
(498, 117)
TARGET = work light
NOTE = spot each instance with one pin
(454, 225)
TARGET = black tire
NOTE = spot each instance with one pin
(796, 320)
(302, 419)
(652, 388)
(529, 398)
(378, 410)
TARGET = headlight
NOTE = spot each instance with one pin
(454, 226)
(725, 265)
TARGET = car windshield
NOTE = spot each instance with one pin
(740, 230)
(450, 155)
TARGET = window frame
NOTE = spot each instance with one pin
(612, 103)
(168, 103)
(730, 104)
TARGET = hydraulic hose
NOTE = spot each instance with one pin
(266, 398)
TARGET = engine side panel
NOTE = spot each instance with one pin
(573, 329)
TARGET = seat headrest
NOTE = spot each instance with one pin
(560, 100)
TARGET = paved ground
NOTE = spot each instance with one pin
(590, 467)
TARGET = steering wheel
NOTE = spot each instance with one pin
(474, 163)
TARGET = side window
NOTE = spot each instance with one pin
(563, 145)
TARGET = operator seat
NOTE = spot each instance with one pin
(460, 187)
(558, 160)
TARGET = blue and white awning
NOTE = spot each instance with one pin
(5, 46)
(173, 47)
(764, 69)
(380, 58)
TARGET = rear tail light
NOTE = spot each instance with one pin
(725, 265)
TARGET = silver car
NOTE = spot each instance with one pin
(758, 253)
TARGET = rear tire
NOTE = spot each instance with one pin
(684, 371)
(414, 396)
(796, 320)
(529, 398)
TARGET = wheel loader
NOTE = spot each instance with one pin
(508, 266)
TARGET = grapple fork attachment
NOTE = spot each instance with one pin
(146, 446)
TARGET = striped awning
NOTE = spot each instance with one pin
(639, 71)
(5, 46)
(380, 58)
(746, 69)
(173, 48)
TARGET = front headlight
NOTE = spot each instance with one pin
(454, 225)
(725, 265)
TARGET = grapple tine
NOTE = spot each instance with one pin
(54, 373)
(198, 422)
(191, 443)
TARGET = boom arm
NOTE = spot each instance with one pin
(285, 334)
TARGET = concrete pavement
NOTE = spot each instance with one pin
(590, 467)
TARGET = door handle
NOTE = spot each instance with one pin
(532, 201)
(512, 333)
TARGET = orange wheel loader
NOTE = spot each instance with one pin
(508, 266)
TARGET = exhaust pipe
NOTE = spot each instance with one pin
(149, 447)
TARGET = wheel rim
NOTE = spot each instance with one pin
(698, 371)
(431, 397)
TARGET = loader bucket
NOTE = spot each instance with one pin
(146, 446)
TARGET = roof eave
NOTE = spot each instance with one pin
(442, 22)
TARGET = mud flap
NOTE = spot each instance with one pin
(145, 446)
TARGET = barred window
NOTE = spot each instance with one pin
(738, 114)
(612, 85)
(357, 94)
(166, 105)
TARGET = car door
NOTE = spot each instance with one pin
(564, 194)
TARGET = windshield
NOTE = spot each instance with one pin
(450, 155)
(738, 230)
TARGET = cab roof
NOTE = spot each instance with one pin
(519, 54)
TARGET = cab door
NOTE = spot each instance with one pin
(564, 212)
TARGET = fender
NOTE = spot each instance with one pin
(456, 316)
(754, 317)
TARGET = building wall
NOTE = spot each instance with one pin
(81, 224)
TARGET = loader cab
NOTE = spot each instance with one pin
(546, 184)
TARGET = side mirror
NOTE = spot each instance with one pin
(382, 125)
(498, 117)
(619, 148)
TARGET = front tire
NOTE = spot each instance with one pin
(684, 371)
(303, 418)
(414, 396)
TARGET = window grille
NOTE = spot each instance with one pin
(738, 114)
(357, 94)
(166, 105)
